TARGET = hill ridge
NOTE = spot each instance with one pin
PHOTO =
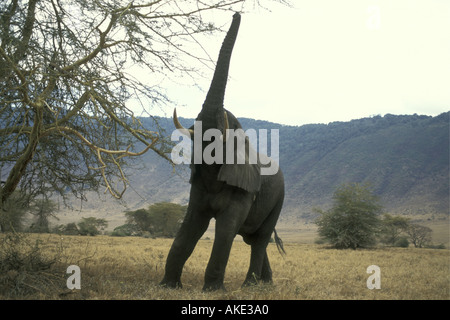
(404, 157)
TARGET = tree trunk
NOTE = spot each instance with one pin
(21, 164)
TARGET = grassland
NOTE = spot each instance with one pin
(131, 267)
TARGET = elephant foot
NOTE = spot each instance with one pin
(171, 284)
(214, 287)
(254, 280)
(250, 283)
(251, 280)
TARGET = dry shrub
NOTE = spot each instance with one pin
(24, 268)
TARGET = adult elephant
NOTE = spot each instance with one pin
(241, 199)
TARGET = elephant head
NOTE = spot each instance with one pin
(213, 115)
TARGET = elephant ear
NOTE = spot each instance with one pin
(246, 176)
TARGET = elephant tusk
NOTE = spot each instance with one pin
(186, 132)
(225, 128)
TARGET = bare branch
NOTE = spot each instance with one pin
(99, 152)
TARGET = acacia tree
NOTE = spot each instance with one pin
(160, 219)
(42, 210)
(353, 220)
(419, 235)
(392, 227)
(68, 72)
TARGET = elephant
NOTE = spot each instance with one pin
(242, 200)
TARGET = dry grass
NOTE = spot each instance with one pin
(130, 268)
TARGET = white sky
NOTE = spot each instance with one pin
(328, 60)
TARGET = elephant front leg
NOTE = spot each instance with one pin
(227, 225)
(215, 271)
(191, 230)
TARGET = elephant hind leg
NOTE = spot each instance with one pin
(259, 261)
(266, 272)
(256, 274)
(259, 268)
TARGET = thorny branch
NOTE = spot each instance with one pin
(99, 151)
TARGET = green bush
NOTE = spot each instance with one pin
(90, 226)
(68, 229)
(402, 243)
(353, 220)
(125, 230)
(161, 219)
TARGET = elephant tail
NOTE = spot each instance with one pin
(279, 243)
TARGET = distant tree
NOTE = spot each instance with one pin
(90, 226)
(160, 219)
(139, 218)
(70, 229)
(124, 230)
(402, 242)
(42, 209)
(392, 227)
(166, 218)
(419, 235)
(353, 220)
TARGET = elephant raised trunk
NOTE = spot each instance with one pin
(213, 112)
(214, 99)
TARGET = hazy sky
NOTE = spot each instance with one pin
(328, 60)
